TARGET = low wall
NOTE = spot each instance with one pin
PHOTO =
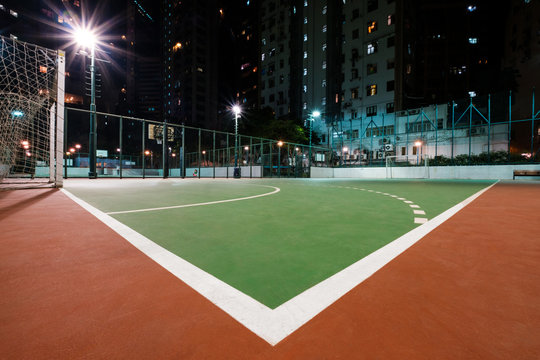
(494, 172)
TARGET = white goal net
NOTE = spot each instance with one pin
(407, 166)
(31, 113)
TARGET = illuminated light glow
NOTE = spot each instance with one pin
(26, 147)
(316, 113)
(280, 143)
(77, 146)
(17, 113)
(345, 149)
(85, 37)
(72, 150)
(237, 109)
(28, 153)
(25, 143)
(204, 152)
(418, 143)
(246, 148)
(68, 153)
(147, 152)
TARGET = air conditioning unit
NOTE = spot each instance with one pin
(364, 156)
(388, 147)
(380, 155)
(385, 140)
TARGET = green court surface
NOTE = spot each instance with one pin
(274, 247)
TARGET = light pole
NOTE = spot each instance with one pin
(237, 110)
(87, 38)
(418, 145)
(314, 114)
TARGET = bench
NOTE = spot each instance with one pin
(526, 173)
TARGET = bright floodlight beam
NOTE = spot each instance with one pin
(86, 38)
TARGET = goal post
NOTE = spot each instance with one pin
(31, 114)
(407, 166)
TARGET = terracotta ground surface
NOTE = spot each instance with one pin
(71, 288)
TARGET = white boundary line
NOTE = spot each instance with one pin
(276, 190)
(274, 325)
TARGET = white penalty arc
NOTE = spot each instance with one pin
(276, 190)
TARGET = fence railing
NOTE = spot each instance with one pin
(134, 147)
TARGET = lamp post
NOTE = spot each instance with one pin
(86, 38)
(314, 114)
(237, 110)
(418, 145)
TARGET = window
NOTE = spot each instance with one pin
(304, 89)
(305, 54)
(324, 9)
(390, 19)
(371, 69)
(272, 98)
(371, 110)
(305, 20)
(324, 64)
(355, 14)
(390, 64)
(324, 83)
(305, 37)
(371, 26)
(271, 83)
(354, 93)
(390, 85)
(281, 79)
(305, 71)
(371, 90)
(324, 28)
(324, 47)
(372, 5)
(355, 34)
(390, 41)
(389, 108)
(473, 40)
(372, 47)
(262, 100)
(323, 101)
(354, 74)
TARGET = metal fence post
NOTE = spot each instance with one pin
(120, 146)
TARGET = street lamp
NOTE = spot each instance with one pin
(314, 114)
(418, 145)
(237, 110)
(86, 38)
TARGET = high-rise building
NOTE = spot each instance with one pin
(190, 61)
(360, 61)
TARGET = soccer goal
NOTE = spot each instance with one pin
(31, 114)
(407, 167)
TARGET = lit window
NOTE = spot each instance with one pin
(371, 27)
(324, 28)
(372, 48)
(473, 40)
(354, 93)
(390, 19)
(305, 88)
(324, 9)
(305, 71)
(371, 90)
(324, 47)
(305, 37)
(305, 20)
(305, 2)
(323, 101)
(13, 13)
(305, 106)
(324, 85)
(262, 57)
(305, 54)
(324, 64)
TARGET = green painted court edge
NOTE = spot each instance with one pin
(273, 248)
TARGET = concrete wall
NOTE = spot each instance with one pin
(494, 172)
